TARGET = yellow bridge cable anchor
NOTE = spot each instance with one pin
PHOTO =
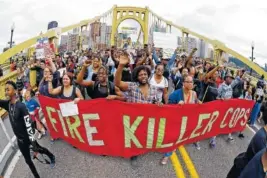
(188, 162)
(177, 166)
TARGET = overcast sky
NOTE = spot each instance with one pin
(234, 22)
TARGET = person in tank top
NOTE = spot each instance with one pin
(67, 91)
(185, 95)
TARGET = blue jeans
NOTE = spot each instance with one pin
(168, 154)
(254, 113)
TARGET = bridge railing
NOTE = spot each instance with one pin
(10, 76)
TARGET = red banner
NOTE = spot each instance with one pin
(125, 129)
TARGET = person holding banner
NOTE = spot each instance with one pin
(67, 91)
(210, 92)
(186, 95)
(138, 91)
(102, 88)
(225, 92)
(22, 127)
(158, 80)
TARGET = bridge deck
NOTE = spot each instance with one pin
(72, 163)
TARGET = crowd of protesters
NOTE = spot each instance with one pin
(137, 76)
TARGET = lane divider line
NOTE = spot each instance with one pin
(177, 166)
(188, 162)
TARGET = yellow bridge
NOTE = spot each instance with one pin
(144, 16)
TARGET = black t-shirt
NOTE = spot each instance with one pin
(257, 143)
(17, 113)
(212, 91)
(100, 91)
(264, 110)
(254, 168)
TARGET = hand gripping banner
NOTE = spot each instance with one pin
(116, 128)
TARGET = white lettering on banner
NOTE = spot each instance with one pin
(63, 124)
(199, 125)
(213, 118)
(223, 124)
(91, 130)
(246, 116)
(182, 130)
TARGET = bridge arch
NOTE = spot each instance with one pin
(123, 13)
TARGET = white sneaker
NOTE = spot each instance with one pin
(39, 136)
(230, 139)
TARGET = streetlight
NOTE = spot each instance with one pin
(252, 58)
(11, 38)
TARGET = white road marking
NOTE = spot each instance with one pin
(251, 129)
(6, 149)
(12, 164)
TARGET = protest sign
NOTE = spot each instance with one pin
(166, 41)
(39, 53)
(125, 129)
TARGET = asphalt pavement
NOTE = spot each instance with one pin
(72, 163)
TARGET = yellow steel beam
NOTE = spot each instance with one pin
(20, 47)
(217, 44)
(130, 9)
(50, 34)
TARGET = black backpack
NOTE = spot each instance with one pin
(91, 90)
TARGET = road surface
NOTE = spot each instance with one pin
(72, 163)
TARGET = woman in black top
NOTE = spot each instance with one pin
(67, 91)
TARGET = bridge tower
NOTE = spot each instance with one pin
(122, 13)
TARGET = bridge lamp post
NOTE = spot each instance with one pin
(252, 58)
(11, 38)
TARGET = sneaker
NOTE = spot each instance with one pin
(134, 161)
(53, 162)
(230, 139)
(197, 145)
(40, 135)
(212, 143)
(52, 141)
(164, 160)
(241, 135)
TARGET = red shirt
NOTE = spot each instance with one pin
(219, 81)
